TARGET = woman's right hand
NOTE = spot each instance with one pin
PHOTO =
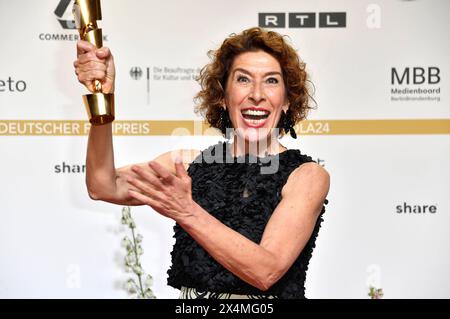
(95, 64)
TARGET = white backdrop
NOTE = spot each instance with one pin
(382, 149)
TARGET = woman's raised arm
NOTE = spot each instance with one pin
(103, 180)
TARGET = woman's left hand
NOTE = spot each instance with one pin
(168, 194)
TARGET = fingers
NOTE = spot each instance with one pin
(94, 64)
(162, 172)
(145, 199)
(179, 168)
(99, 55)
(149, 196)
(89, 57)
(90, 76)
(103, 53)
(147, 176)
(145, 188)
(84, 47)
(88, 67)
(91, 66)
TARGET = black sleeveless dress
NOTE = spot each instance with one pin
(241, 192)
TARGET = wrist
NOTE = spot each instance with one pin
(190, 215)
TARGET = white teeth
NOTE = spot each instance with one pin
(255, 122)
(255, 112)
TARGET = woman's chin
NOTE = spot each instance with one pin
(252, 134)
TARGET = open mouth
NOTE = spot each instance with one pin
(255, 117)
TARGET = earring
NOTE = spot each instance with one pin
(225, 123)
(287, 124)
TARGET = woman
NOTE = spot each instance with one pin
(247, 211)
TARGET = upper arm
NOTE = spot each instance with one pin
(294, 219)
(167, 160)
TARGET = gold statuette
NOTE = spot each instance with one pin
(99, 106)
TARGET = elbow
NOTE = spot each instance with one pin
(266, 285)
(269, 279)
(268, 275)
(93, 194)
(93, 191)
(100, 186)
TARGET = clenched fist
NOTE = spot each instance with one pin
(95, 64)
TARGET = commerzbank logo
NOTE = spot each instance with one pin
(63, 14)
(60, 13)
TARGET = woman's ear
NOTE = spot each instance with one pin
(223, 103)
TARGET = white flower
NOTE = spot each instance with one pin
(126, 242)
(137, 269)
(126, 211)
(132, 262)
(131, 286)
(149, 294)
(149, 281)
(130, 259)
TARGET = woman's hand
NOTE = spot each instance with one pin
(95, 64)
(168, 194)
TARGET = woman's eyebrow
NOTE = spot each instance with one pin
(249, 73)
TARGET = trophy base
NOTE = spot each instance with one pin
(100, 108)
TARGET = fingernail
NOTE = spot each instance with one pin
(178, 160)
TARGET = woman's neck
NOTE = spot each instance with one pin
(269, 146)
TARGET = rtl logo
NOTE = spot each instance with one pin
(303, 20)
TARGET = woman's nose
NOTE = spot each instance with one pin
(256, 93)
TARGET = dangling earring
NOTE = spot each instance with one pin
(287, 124)
(225, 123)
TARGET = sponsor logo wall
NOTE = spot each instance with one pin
(382, 130)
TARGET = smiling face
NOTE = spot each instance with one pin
(255, 95)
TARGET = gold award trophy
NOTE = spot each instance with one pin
(99, 106)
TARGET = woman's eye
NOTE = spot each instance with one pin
(242, 79)
(272, 80)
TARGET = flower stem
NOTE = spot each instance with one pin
(137, 261)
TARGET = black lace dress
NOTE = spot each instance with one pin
(241, 192)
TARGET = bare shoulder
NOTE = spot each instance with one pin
(308, 176)
(310, 169)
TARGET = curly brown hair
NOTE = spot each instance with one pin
(213, 76)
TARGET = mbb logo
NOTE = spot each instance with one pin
(303, 20)
(416, 75)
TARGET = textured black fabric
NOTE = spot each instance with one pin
(240, 196)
